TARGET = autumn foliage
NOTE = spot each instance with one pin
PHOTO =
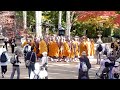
(86, 15)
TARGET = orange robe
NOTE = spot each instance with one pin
(83, 47)
(92, 49)
(53, 49)
(33, 45)
(60, 49)
(72, 54)
(42, 47)
(89, 47)
(24, 44)
(66, 50)
(76, 48)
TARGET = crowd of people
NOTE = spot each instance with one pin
(60, 48)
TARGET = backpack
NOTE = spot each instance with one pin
(83, 66)
(26, 49)
(3, 57)
(100, 48)
(12, 60)
(36, 76)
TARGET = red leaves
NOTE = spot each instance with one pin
(117, 20)
(85, 15)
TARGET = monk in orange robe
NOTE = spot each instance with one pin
(66, 50)
(92, 52)
(53, 49)
(42, 47)
(89, 46)
(26, 42)
(83, 47)
(61, 49)
(76, 47)
(72, 54)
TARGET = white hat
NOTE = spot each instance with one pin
(83, 53)
(116, 64)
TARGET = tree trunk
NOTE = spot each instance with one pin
(68, 23)
(38, 23)
(25, 19)
(60, 19)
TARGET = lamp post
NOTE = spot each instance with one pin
(99, 36)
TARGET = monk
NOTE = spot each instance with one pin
(72, 54)
(83, 47)
(32, 44)
(61, 49)
(66, 49)
(89, 46)
(42, 47)
(26, 42)
(92, 46)
(53, 49)
(76, 45)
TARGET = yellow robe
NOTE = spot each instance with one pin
(33, 45)
(24, 44)
(66, 50)
(53, 49)
(83, 47)
(92, 52)
(76, 48)
(72, 54)
(42, 47)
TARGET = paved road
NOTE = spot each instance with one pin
(56, 70)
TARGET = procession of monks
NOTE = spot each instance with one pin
(62, 48)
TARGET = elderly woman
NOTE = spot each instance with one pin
(84, 59)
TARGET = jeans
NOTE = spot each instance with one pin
(31, 67)
(13, 72)
(3, 69)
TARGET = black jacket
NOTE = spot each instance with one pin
(16, 61)
(86, 60)
(33, 57)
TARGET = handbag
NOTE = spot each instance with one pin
(28, 61)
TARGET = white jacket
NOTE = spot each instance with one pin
(41, 74)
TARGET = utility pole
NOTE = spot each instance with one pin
(25, 19)
(68, 23)
(59, 19)
(38, 23)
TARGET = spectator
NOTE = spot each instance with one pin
(84, 59)
(32, 57)
(16, 66)
(4, 61)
